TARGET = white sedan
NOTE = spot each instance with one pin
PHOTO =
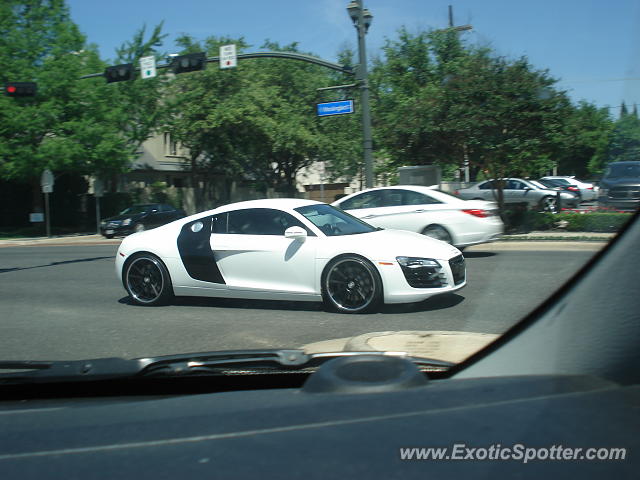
(428, 211)
(286, 249)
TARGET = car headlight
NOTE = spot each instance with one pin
(417, 262)
(126, 221)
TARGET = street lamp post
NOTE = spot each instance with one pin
(362, 20)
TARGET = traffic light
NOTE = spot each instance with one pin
(20, 89)
(190, 62)
(119, 73)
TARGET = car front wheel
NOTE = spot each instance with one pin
(147, 280)
(351, 284)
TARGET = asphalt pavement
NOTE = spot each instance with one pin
(63, 301)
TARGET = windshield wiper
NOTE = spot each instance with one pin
(236, 362)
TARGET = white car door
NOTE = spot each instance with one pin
(409, 210)
(253, 253)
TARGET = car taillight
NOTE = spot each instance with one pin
(477, 212)
(589, 188)
(456, 192)
(573, 189)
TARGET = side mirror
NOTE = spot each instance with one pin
(296, 233)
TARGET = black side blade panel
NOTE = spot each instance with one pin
(196, 254)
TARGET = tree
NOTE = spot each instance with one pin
(72, 126)
(439, 101)
(255, 121)
(585, 139)
(624, 142)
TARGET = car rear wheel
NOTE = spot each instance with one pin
(548, 204)
(147, 280)
(438, 232)
(351, 284)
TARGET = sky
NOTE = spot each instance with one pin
(591, 46)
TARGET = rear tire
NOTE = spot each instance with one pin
(439, 233)
(548, 204)
(147, 280)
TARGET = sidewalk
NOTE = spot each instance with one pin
(73, 239)
(94, 239)
(556, 235)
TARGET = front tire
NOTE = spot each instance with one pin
(351, 284)
(147, 280)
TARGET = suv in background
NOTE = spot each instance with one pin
(620, 186)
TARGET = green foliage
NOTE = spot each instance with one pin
(624, 144)
(584, 141)
(570, 222)
(72, 125)
(254, 122)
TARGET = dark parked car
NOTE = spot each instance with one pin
(620, 186)
(140, 217)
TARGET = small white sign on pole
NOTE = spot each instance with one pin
(228, 58)
(47, 181)
(148, 67)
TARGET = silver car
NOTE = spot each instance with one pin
(517, 190)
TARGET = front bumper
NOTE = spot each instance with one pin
(398, 282)
(619, 204)
(116, 230)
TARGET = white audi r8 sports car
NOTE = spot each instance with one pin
(286, 249)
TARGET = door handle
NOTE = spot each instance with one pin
(369, 216)
(420, 210)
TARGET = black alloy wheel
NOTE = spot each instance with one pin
(147, 280)
(351, 284)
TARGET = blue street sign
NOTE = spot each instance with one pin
(335, 108)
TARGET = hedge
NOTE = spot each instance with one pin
(518, 221)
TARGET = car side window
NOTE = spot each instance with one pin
(485, 186)
(391, 198)
(514, 185)
(261, 221)
(416, 198)
(364, 200)
(219, 223)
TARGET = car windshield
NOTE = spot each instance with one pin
(242, 123)
(623, 170)
(334, 222)
(137, 209)
(537, 184)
